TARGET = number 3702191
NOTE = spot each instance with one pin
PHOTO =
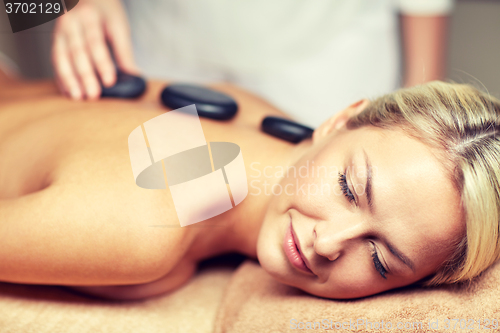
(32, 8)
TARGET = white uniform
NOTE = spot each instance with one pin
(310, 58)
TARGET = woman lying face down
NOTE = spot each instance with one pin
(398, 190)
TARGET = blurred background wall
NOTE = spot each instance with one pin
(473, 53)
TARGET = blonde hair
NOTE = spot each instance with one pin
(464, 124)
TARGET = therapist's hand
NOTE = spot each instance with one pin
(80, 55)
(425, 43)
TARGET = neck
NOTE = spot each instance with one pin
(237, 230)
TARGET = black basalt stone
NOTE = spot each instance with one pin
(209, 103)
(286, 129)
(126, 86)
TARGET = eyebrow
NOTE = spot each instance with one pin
(368, 184)
(371, 206)
(400, 256)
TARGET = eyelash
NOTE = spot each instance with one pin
(345, 188)
(378, 265)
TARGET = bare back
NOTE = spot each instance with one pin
(67, 185)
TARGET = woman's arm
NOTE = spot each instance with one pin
(172, 280)
(64, 237)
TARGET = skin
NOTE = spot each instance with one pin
(425, 46)
(67, 190)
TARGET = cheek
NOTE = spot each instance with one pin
(310, 187)
(269, 243)
(352, 276)
(358, 278)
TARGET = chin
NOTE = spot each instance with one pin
(273, 260)
(268, 255)
(281, 273)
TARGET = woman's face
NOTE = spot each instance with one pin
(372, 210)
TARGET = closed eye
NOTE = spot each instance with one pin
(378, 265)
(345, 188)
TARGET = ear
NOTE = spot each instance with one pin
(339, 120)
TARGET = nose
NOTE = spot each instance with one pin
(331, 238)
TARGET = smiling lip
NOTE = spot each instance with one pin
(293, 255)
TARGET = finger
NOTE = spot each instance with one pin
(99, 52)
(64, 69)
(61, 88)
(81, 61)
(119, 37)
